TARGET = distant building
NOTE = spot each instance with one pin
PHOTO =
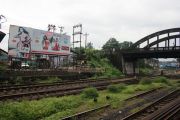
(169, 64)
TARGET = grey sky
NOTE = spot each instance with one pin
(128, 20)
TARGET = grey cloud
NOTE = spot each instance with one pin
(123, 19)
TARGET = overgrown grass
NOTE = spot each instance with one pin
(90, 93)
(56, 108)
(48, 80)
(116, 88)
(145, 81)
(109, 70)
(161, 80)
(145, 71)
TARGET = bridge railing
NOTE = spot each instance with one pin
(151, 49)
(164, 48)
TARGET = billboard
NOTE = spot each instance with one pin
(24, 41)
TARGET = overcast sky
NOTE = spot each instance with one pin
(126, 20)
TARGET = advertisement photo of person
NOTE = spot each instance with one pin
(56, 45)
(24, 44)
(45, 43)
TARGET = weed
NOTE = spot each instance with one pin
(145, 81)
(90, 93)
(161, 80)
(116, 88)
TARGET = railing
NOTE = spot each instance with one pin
(152, 49)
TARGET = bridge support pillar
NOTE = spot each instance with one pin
(130, 67)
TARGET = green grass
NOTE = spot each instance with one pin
(109, 70)
(90, 93)
(48, 80)
(56, 108)
(161, 80)
(116, 88)
(145, 71)
(145, 81)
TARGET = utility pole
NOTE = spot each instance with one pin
(61, 29)
(79, 32)
(86, 35)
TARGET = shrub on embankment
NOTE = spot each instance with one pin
(161, 80)
(145, 81)
(56, 108)
(116, 88)
(90, 93)
(33, 110)
(109, 70)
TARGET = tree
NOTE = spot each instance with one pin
(89, 45)
(112, 50)
(111, 46)
(125, 44)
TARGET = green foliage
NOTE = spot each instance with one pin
(48, 80)
(89, 45)
(145, 71)
(93, 54)
(19, 80)
(116, 88)
(3, 67)
(112, 45)
(161, 80)
(145, 81)
(57, 108)
(90, 93)
(34, 110)
(125, 44)
(109, 70)
(53, 79)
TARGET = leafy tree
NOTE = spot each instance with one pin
(125, 44)
(112, 50)
(89, 45)
(111, 46)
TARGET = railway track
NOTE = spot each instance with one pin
(11, 89)
(168, 112)
(40, 91)
(148, 112)
(16, 87)
(83, 115)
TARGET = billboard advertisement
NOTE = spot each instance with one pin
(24, 41)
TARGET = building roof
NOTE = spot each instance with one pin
(3, 51)
(2, 35)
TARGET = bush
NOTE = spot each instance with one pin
(161, 80)
(19, 80)
(144, 71)
(145, 81)
(116, 88)
(90, 93)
